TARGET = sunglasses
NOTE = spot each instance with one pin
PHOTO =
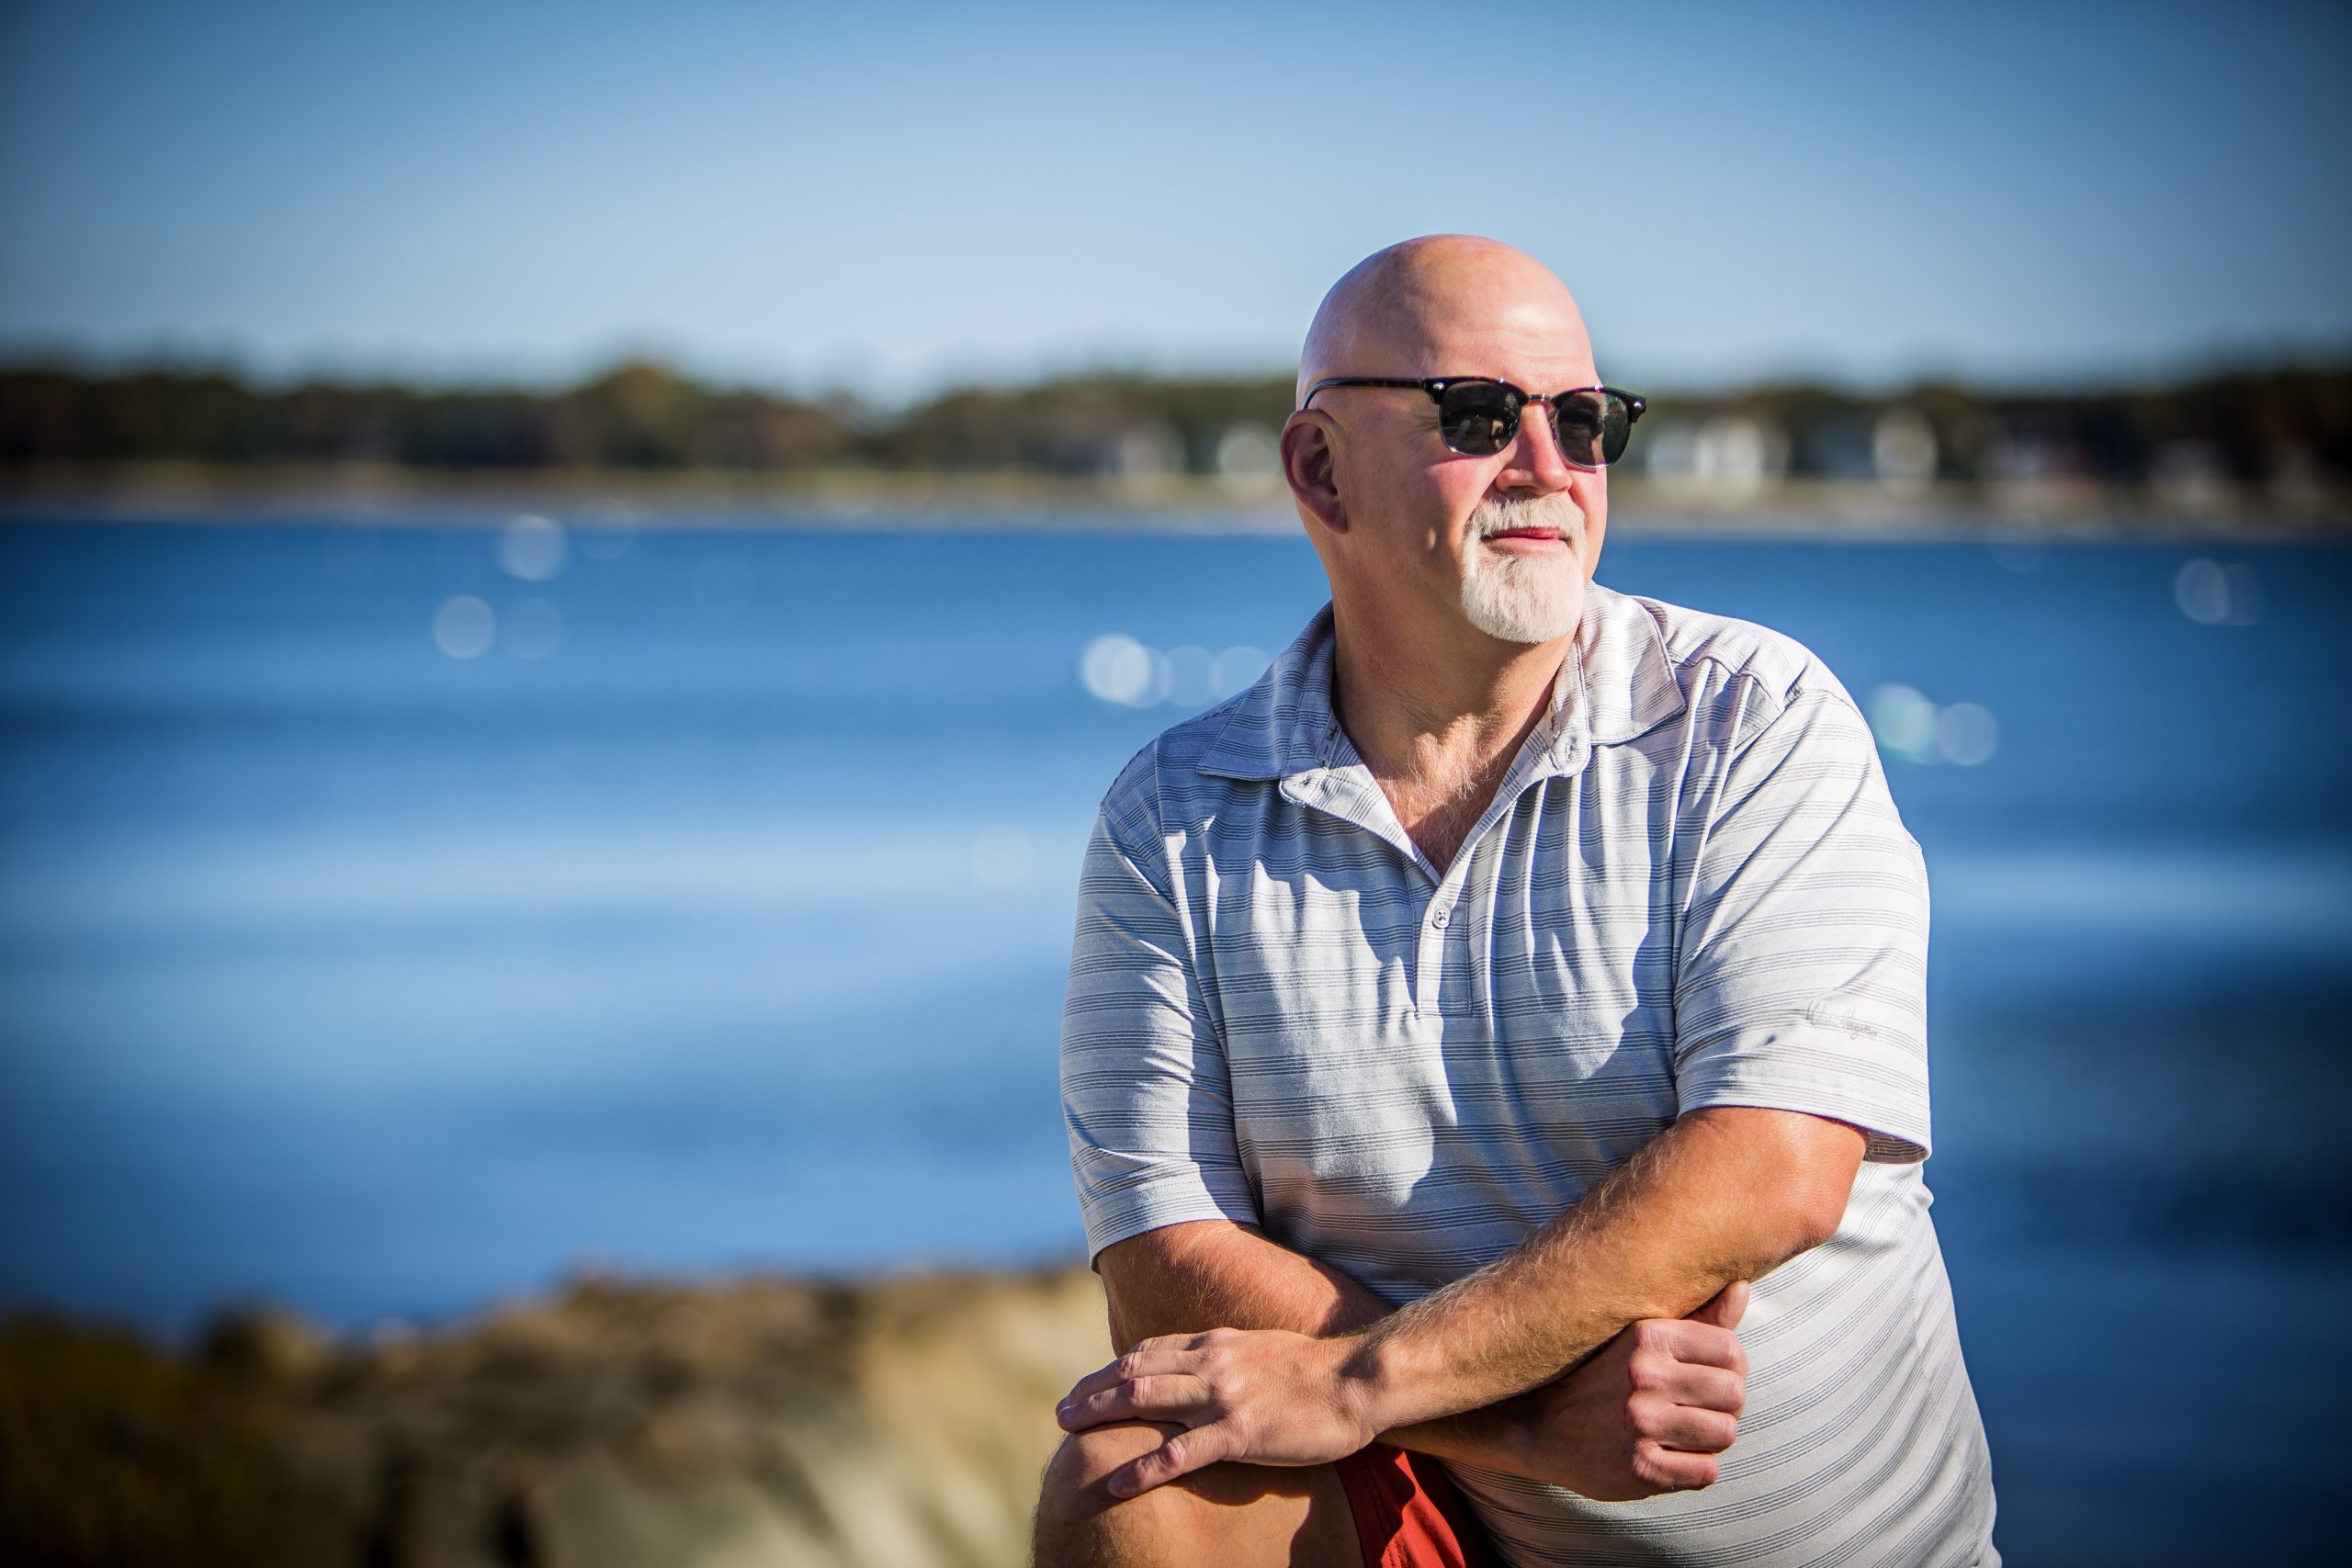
(1479, 416)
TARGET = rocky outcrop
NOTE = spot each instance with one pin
(900, 1423)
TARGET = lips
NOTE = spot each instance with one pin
(1531, 520)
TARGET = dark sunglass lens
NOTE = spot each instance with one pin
(1593, 427)
(1582, 421)
(1616, 427)
(1477, 418)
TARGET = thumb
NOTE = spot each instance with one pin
(1725, 1307)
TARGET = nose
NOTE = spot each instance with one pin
(1535, 464)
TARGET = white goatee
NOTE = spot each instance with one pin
(1530, 598)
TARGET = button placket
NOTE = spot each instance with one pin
(1443, 915)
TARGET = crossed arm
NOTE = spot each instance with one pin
(1309, 1366)
(1799, 980)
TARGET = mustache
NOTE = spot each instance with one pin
(1555, 511)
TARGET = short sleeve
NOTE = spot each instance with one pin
(1145, 1093)
(1801, 971)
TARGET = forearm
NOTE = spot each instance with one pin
(1213, 1274)
(1720, 1196)
(1187, 1278)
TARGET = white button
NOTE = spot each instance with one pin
(1438, 919)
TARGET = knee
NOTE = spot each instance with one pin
(1086, 1459)
(1079, 1521)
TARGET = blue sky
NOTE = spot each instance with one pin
(896, 196)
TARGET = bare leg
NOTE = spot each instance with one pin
(1234, 1516)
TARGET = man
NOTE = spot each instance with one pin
(1513, 972)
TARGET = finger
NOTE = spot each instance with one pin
(1153, 1356)
(1682, 1427)
(1706, 1388)
(1704, 1345)
(1100, 1380)
(1179, 1455)
(1157, 1397)
(1670, 1470)
(1725, 1307)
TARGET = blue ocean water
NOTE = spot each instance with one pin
(393, 918)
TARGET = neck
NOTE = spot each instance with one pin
(1440, 707)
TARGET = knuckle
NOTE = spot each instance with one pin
(1165, 1389)
(1649, 1468)
(1709, 1434)
(1659, 1469)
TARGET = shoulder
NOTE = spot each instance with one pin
(1251, 739)
(1735, 676)
(1712, 650)
(1162, 783)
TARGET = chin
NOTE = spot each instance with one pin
(1524, 600)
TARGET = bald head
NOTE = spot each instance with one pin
(1457, 556)
(1399, 307)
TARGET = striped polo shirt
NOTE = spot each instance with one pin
(1691, 890)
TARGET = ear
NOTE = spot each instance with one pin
(1310, 463)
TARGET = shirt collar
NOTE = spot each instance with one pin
(1617, 683)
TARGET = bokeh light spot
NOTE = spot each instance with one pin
(1905, 723)
(1116, 668)
(605, 529)
(2213, 594)
(464, 626)
(532, 548)
(1966, 734)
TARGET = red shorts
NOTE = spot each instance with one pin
(1408, 1516)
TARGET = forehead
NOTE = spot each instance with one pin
(1535, 340)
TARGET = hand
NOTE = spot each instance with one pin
(1265, 1396)
(1646, 1415)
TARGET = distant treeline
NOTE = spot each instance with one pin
(2276, 428)
(637, 416)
